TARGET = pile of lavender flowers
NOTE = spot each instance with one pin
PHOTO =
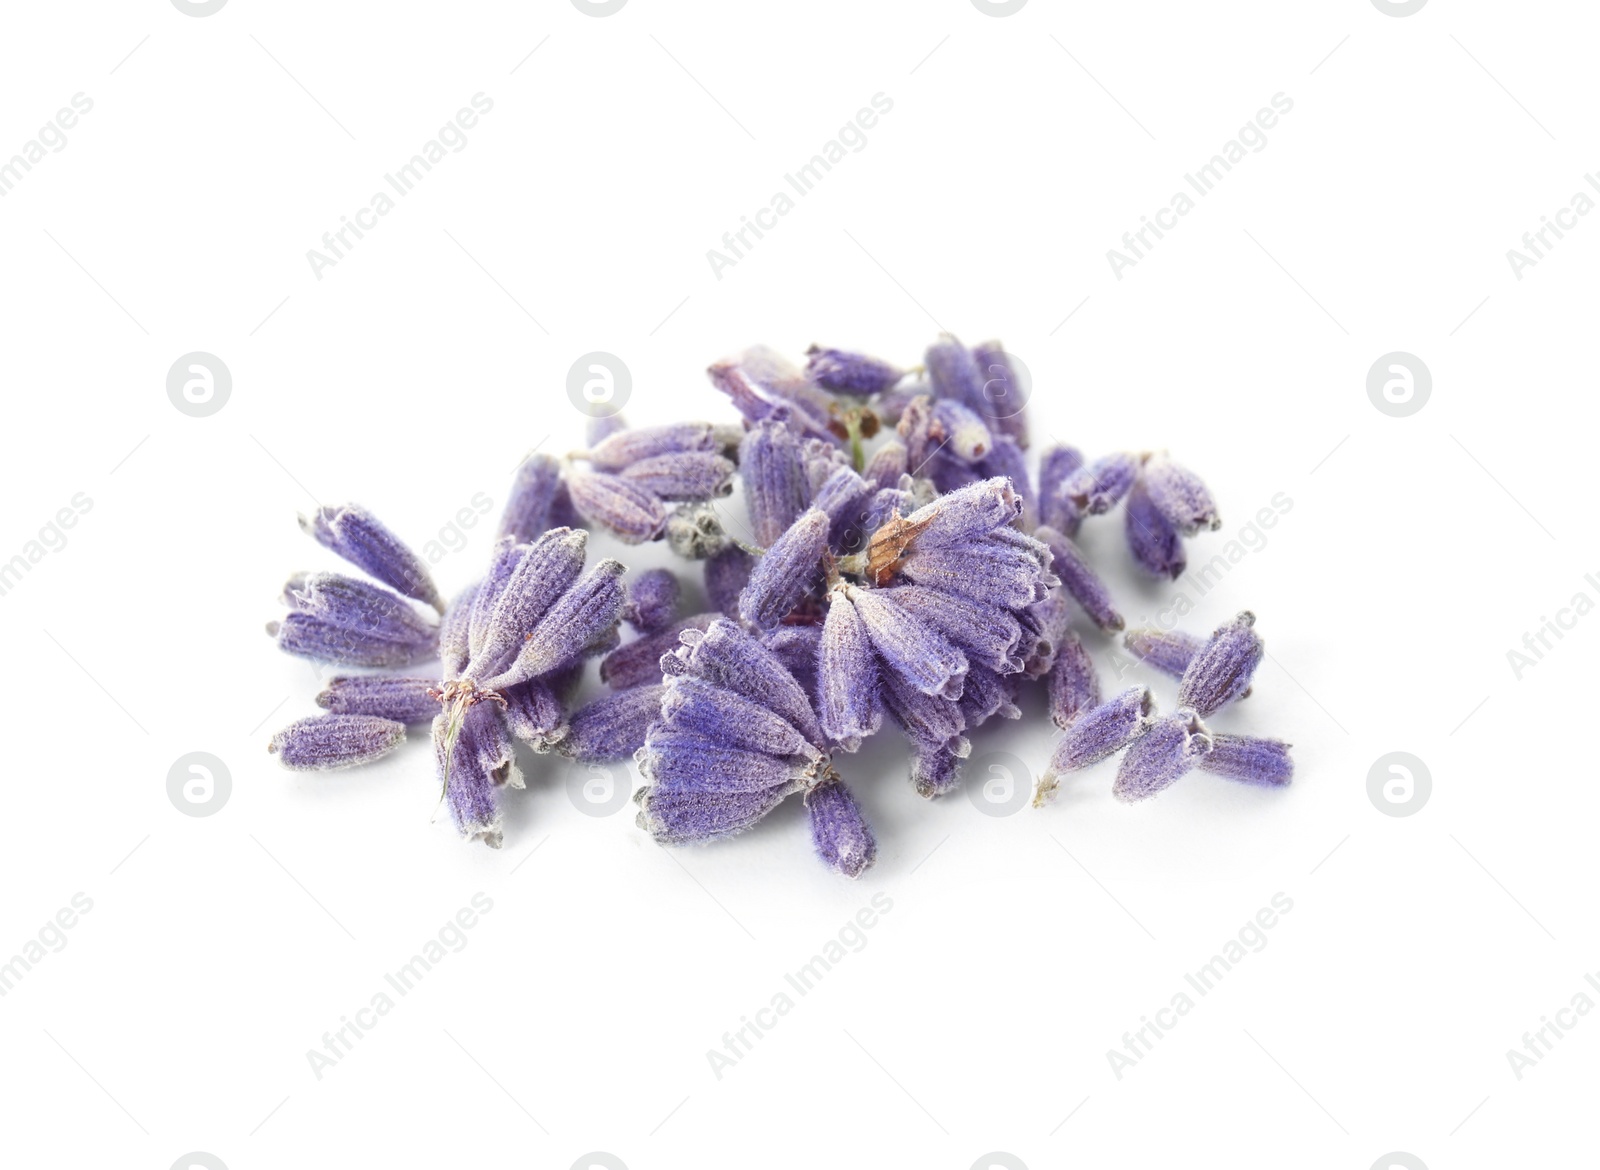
(897, 562)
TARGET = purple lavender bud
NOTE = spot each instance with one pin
(821, 459)
(961, 517)
(1006, 461)
(765, 386)
(684, 475)
(356, 535)
(954, 373)
(1003, 393)
(849, 373)
(844, 496)
(1082, 582)
(726, 655)
(985, 571)
(1098, 487)
(1169, 651)
(629, 512)
(776, 488)
(726, 575)
(911, 648)
(353, 604)
(523, 583)
(534, 712)
(693, 706)
(455, 631)
(679, 761)
(1044, 626)
(562, 512)
(1096, 734)
(887, 465)
(843, 838)
(1220, 671)
(1245, 758)
(928, 720)
(986, 634)
(527, 511)
(463, 755)
(613, 727)
(1156, 546)
(1073, 684)
(1056, 467)
(797, 648)
(639, 662)
(934, 770)
(324, 742)
(949, 474)
(683, 817)
(789, 568)
(652, 600)
(1172, 745)
(847, 676)
(580, 616)
(1181, 496)
(987, 695)
(694, 532)
(966, 435)
(622, 449)
(306, 636)
(404, 700)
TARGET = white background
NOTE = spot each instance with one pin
(1019, 949)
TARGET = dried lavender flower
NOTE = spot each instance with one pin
(849, 373)
(455, 631)
(1095, 735)
(682, 475)
(786, 572)
(966, 434)
(357, 535)
(843, 838)
(469, 752)
(1004, 395)
(1181, 496)
(534, 712)
(934, 770)
(613, 727)
(696, 707)
(985, 633)
(1073, 683)
(1169, 651)
(1264, 762)
(1220, 671)
(622, 449)
(523, 582)
(403, 700)
(652, 600)
(726, 655)
(1006, 460)
(580, 615)
(628, 511)
(929, 721)
(1171, 746)
(694, 532)
(1056, 468)
(306, 636)
(361, 606)
(954, 373)
(533, 492)
(639, 661)
(847, 676)
(326, 742)
(1156, 546)
(776, 488)
(1098, 487)
(1078, 579)
(726, 575)
(887, 465)
(910, 648)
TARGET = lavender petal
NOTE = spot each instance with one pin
(909, 647)
(1073, 684)
(1082, 582)
(581, 615)
(614, 726)
(847, 676)
(1095, 735)
(1056, 467)
(623, 449)
(639, 662)
(849, 373)
(1097, 488)
(652, 600)
(787, 571)
(681, 476)
(776, 488)
(306, 636)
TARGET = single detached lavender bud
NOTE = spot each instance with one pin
(1098, 487)
(683, 475)
(1172, 745)
(1095, 735)
(1169, 651)
(1078, 579)
(622, 449)
(1156, 546)
(929, 721)
(358, 605)
(910, 648)
(306, 636)
(726, 575)
(572, 624)
(1056, 468)
(533, 491)
(404, 700)
(776, 487)
(325, 742)
(849, 373)
(524, 581)
(1073, 683)
(847, 676)
(694, 532)
(356, 535)
(632, 514)
(887, 465)
(1181, 496)
(613, 726)
(954, 373)
(1007, 461)
(638, 662)
(786, 572)
(1220, 671)
(1245, 758)
(843, 838)
(534, 712)
(652, 600)
(967, 436)
(934, 770)
(1003, 392)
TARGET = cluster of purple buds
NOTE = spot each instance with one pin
(893, 561)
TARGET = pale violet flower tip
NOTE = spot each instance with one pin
(403, 700)
(1181, 495)
(682, 476)
(652, 600)
(523, 583)
(361, 606)
(1169, 651)
(728, 656)
(887, 465)
(533, 492)
(953, 373)
(1098, 487)
(987, 695)
(357, 535)
(849, 373)
(467, 768)
(929, 721)
(535, 713)
(963, 432)
(1168, 749)
(1156, 546)
(1006, 460)
(1263, 762)
(578, 619)
(697, 707)
(843, 838)
(1221, 670)
(934, 770)
(986, 633)
(326, 742)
